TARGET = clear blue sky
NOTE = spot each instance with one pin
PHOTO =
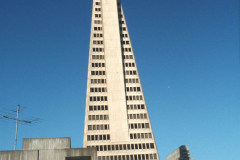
(187, 54)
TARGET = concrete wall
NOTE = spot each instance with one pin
(62, 154)
(18, 155)
(46, 143)
(55, 154)
(115, 76)
(79, 158)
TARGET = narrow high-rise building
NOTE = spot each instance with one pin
(116, 119)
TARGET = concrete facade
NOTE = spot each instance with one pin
(46, 143)
(18, 155)
(181, 153)
(49, 149)
(116, 116)
(113, 57)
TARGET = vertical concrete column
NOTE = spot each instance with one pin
(114, 72)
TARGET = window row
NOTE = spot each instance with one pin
(140, 135)
(97, 56)
(129, 157)
(121, 22)
(129, 64)
(127, 56)
(100, 89)
(98, 65)
(126, 49)
(132, 80)
(123, 28)
(124, 35)
(97, 22)
(97, 9)
(125, 147)
(98, 81)
(98, 49)
(137, 116)
(98, 3)
(97, 35)
(97, 28)
(133, 89)
(98, 108)
(97, 98)
(120, 16)
(138, 125)
(131, 72)
(125, 42)
(98, 137)
(133, 98)
(97, 73)
(98, 117)
(97, 42)
(98, 15)
(98, 127)
(135, 106)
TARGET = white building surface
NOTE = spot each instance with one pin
(116, 118)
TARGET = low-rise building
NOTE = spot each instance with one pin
(49, 149)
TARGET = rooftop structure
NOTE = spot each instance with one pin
(49, 149)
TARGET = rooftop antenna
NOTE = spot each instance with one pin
(17, 120)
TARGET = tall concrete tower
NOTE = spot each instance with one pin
(116, 118)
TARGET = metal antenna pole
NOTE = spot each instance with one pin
(17, 121)
(15, 145)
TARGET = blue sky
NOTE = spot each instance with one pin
(187, 54)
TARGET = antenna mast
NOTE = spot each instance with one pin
(15, 144)
(17, 120)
